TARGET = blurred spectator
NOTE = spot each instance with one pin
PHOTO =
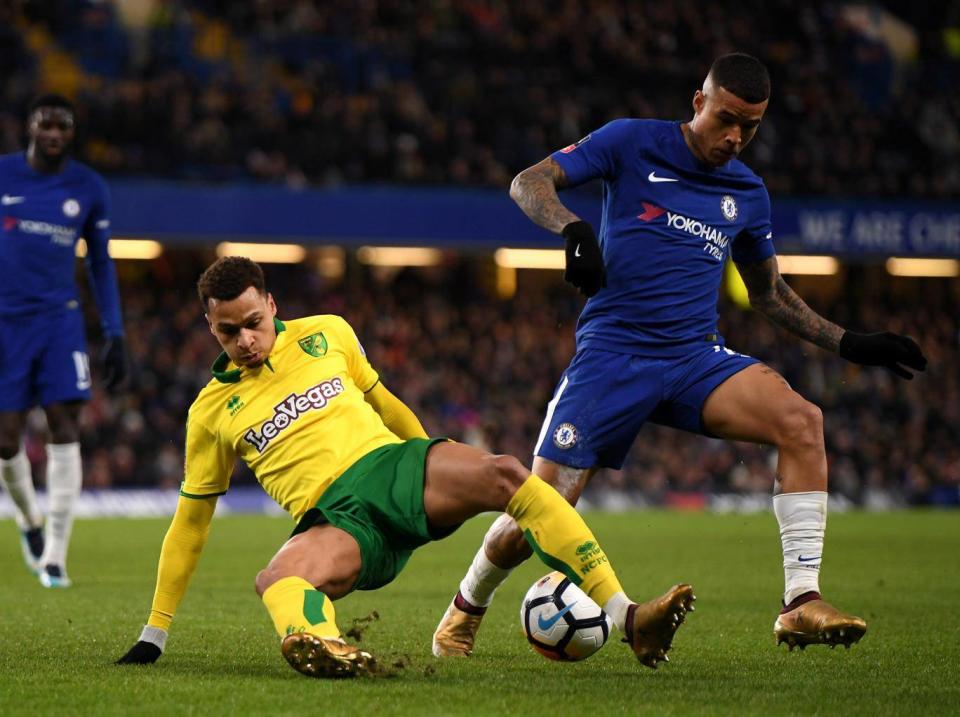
(481, 369)
(466, 92)
(469, 92)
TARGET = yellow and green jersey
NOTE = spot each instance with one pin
(299, 420)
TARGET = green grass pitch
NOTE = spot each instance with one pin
(899, 571)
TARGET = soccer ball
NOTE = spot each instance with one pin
(560, 621)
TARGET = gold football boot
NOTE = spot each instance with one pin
(816, 622)
(457, 631)
(325, 657)
(651, 625)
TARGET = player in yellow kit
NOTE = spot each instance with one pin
(300, 404)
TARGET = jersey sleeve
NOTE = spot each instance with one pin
(598, 155)
(103, 274)
(755, 242)
(208, 463)
(362, 373)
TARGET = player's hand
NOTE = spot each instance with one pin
(114, 363)
(883, 349)
(584, 259)
(148, 648)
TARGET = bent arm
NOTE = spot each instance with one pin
(772, 297)
(179, 555)
(535, 192)
(394, 412)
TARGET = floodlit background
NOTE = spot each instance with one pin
(363, 150)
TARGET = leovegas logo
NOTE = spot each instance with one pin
(290, 409)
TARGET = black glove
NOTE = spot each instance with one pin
(114, 360)
(883, 349)
(584, 259)
(143, 653)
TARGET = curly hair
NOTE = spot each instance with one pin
(228, 277)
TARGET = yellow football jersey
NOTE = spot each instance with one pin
(299, 420)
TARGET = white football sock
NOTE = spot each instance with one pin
(616, 608)
(64, 478)
(482, 580)
(803, 521)
(19, 483)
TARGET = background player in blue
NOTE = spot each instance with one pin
(675, 201)
(47, 202)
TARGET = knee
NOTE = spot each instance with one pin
(265, 578)
(64, 432)
(801, 426)
(505, 475)
(63, 420)
(569, 483)
(10, 441)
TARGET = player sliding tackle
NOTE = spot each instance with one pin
(676, 200)
(301, 405)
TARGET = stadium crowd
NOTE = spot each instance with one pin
(304, 92)
(467, 92)
(481, 369)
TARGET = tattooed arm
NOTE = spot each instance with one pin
(535, 192)
(771, 296)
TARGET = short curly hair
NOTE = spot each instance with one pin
(228, 277)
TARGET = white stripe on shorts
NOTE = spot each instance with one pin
(549, 417)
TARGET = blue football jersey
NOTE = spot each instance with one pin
(43, 217)
(668, 225)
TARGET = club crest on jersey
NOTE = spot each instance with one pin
(728, 205)
(71, 208)
(314, 344)
(565, 436)
(290, 409)
(570, 147)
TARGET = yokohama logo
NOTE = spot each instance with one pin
(59, 233)
(290, 409)
(684, 224)
(697, 228)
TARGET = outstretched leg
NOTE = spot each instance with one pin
(504, 548)
(758, 405)
(462, 481)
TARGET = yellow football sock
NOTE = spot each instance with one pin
(296, 606)
(562, 540)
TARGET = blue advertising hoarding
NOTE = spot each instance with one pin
(867, 228)
(487, 218)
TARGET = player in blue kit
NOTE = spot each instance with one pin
(676, 201)
(47, 202)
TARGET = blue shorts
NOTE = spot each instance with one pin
(604, 398)
(43, 359)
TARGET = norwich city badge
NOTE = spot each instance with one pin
(314, 344)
